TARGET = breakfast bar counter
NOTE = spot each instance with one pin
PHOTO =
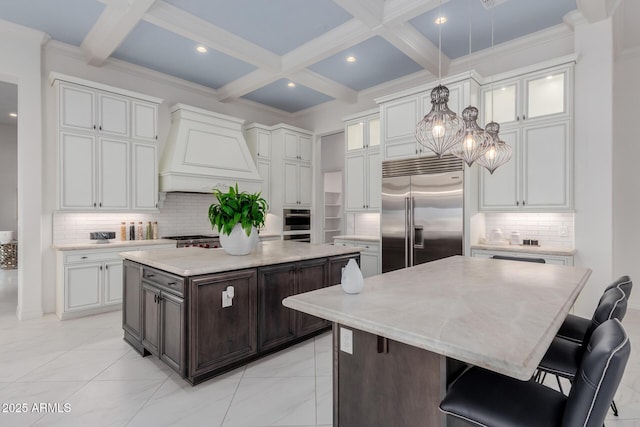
(394, 340)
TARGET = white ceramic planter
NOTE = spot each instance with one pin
(238, 243)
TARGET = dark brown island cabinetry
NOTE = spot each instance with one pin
(278, 324)
(188, 324)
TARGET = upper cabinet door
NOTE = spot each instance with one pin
(501, 103)
(305, 148)
(291, 146)
(305, 189)
(499, 191)
(355, 136)
(546, 95)
(113, 113)
(263, 144)
(145, 176)
(143, 117)
(114, 174)
(77, 108)
(77, 171)
(374, 132)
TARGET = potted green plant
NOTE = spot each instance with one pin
(237, 215)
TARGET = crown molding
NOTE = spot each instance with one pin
(29, 34)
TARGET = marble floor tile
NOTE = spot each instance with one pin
(324, 354)
(27, 399)
(273, 402)
(103, 403)
(17, 364)
(177, 403)
(324, 400)
(75, 366)
(132, 366)
(296, 361)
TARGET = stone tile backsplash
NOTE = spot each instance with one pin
(545, 227)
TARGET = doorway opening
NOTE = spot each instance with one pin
(8, 199)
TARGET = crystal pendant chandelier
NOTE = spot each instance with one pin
(441, 128)
(498, 152)
(474, 141)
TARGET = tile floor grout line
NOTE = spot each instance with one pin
(148, 399)
(244, 369)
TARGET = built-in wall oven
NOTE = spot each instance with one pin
(296, 225)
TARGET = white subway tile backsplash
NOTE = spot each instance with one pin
(182, 213)
(545, 227)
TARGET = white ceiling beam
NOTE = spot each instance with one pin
(396, 11)
(593, 10)
(114, 24)
(413, 44)
(369, 12)
(247, 83)
(346, 35)
(324, 85)
(197, 29)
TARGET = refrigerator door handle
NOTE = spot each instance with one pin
(412, 202)
(418, 237)
(407, 227)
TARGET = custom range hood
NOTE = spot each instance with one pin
(206, 150)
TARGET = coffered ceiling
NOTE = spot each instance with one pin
(285, 54)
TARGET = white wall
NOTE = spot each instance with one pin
(626, 153)
(9, 178)
(593, 158)
(20, 50)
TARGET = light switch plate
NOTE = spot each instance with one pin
(346, 340)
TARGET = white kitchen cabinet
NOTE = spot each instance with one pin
(297, 146)
(103, 163)
(144, 168)
(259, 140)
(363, 164)
(94, 172)
(539, 175)
(363, 181)
(535, 112)
(86, 109)
(369, 256)
(538, 96)
(297, 184)
(548, 258)
(89, 281)
(264, 169)
(144, 120)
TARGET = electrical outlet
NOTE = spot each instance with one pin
(227, 301)
(563, 231)
(346, 340)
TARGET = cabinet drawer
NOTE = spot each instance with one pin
(88, 256)
(166, 281)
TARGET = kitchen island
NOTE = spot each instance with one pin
(399, 343)
(204, 312)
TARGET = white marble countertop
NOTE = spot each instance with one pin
(500, 315)
(374, 239)
(542, 250)
(195, 261)
(113, 244)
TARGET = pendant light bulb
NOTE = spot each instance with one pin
(474, 141)
(498, 152)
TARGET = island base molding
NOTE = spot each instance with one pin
(387, 383)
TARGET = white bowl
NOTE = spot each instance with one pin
(6, 237)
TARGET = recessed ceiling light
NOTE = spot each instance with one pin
(291, 84)
(13, 114)
(441, 20)
(549, 77)
(351, 59)
(201, 49)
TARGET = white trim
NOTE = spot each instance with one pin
(540, 66)
(365, 113)
(55, 76)
(471, 74)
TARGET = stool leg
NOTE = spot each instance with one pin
(614, 408)
(559, 385)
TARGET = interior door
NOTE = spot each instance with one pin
(437, 215)
(393, 223)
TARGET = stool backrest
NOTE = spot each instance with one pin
(623, 283)
(599, 376)
(612, 305)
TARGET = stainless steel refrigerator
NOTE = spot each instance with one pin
(422, 210)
